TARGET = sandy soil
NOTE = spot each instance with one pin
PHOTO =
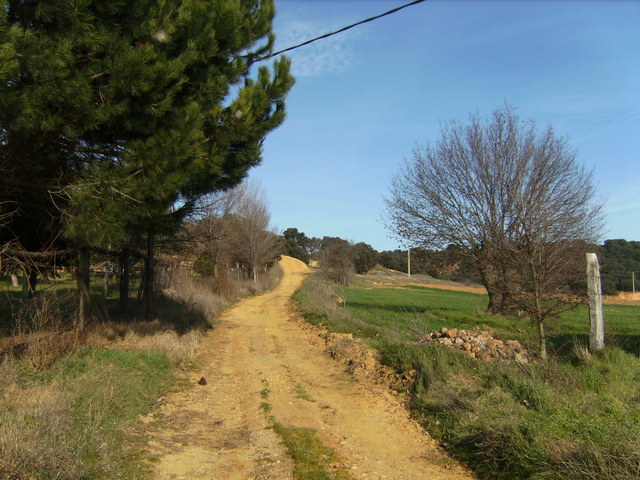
(218, 430)
(457, 288)
(623, 298)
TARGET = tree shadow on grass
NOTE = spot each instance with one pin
(171, 314)
(51, 316)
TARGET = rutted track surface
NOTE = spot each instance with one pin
(260, 352)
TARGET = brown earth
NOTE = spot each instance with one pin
(623, 298)
(457, 288)
(261, 353)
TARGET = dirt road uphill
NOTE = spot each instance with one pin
(262, 365)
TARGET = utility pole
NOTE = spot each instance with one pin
(408, 262)
(633, 284)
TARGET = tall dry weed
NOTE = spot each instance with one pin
(199, 293)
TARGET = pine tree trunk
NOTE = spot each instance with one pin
(25, 286)
(149, 284)
(33, 282)
(125, 277)
(29, 283)
(82, 279)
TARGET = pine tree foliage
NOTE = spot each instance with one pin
(126, 108)
(116, 116)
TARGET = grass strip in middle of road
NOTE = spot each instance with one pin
(313, 459)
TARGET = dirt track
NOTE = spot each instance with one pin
(261, 353)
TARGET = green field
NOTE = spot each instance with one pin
(427, 309)
(576, 417)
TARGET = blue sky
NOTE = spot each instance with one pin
(364, 99)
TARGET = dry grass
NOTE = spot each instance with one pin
(64, 422)
(179, 348)
(49, 310)
(36, 432)
(581, 352)
(64, 395)
(317, 299)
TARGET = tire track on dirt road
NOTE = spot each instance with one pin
(260, 352)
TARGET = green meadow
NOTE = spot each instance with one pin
(412, 307)
(575, 417)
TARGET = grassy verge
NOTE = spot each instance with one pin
(66, 397)
(64, 422)
(575, 418)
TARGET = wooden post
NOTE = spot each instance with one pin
(594, 291)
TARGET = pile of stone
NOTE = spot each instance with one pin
(480, 345)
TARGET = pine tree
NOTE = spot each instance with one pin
(127, 112)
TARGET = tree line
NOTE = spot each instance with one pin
(618, 259)
(232, 233)
(116, 118)
(338, 258)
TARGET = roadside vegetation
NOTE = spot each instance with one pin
(575, 416)
(313, 459)
(65, 421)
(69, 398)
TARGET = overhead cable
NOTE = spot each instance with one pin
(344, 29)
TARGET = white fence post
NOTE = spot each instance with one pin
(594, 290)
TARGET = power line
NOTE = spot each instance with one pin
(344, 29)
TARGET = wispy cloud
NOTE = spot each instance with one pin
(330, 55)
(624, 203)
(611, 124)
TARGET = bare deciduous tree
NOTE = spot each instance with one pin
(210, 230)
(514, 198)
(256, 242)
